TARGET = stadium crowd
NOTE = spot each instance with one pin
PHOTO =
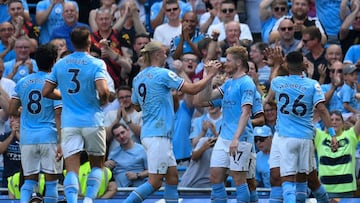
(102, 94)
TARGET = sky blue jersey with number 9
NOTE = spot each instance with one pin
(152, 91)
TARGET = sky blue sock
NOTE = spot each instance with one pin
(218, 193)
(242, 193)
(26, 190)
(276, 195)
(141, 193)
(51, 193)
(254, 196)
(171, 193)
(289, 192)
(301, 192)
(321, 195)
(71, 187)
(93, 182)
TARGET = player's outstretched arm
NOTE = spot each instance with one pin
(50, 92)
(103, 91)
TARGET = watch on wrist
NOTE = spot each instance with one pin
(128, 122)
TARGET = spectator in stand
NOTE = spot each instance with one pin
(23, 26)
(128, 160)
(257, 55)
(7, 41)
(140, 41)
(270, 12)
(212, 17)
(232, 37)
(337, 169)
(22, 65)
(270, 112)
(188, 39)
(263, 138)
(164, 33)
(287, 41)
(125, 114)
(10, 149)
(332, 90)
(349, 33)
(348, 92)
(140, 5)
(333, 53)
(48, 16)
(109, 41)
(311, 38)
(70, 16)
(4, 17)
(129, 23)
(300, 18)
(104, 4)
(228, 12)
(157, 12)
(60, 44)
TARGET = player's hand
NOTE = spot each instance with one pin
(110, 164)
(334, 144)
(233, 147)
(131, 175)
(59, 153)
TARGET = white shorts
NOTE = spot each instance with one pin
(274, 158)
(220, 156)
(160, 155)
(40, 157)
(92, 140)
(296, 156)
(252, 166)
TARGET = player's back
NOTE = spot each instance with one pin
(37, 115)
(296, 97)
(152, 91)
(76, 76)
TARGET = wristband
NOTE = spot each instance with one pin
(331, 131)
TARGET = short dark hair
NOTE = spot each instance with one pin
(45, 56)
(295, 61)
(124, 87)
(118, 125)
(80, 37)
(313, 32)
(15, 1)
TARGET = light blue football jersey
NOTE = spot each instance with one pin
(37, 121)
(296, 97)
(75, 75)
(236, 93)
(152, 91)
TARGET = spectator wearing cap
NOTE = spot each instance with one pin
(348, 92)
(263, 138)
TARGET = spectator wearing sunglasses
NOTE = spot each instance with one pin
(227, 14)
(287, 41)
(270, 12)
(263, 139)
(299, 11)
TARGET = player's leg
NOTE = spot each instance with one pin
(52, 168)
(95, 146)
(250, 178)
(157, 170)
(219, 164)
(301, 187)
(289, 166)
(318, 190)
(172, 179)
(30, 162)
(239, 167)
(72, 144)
(275, 180)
